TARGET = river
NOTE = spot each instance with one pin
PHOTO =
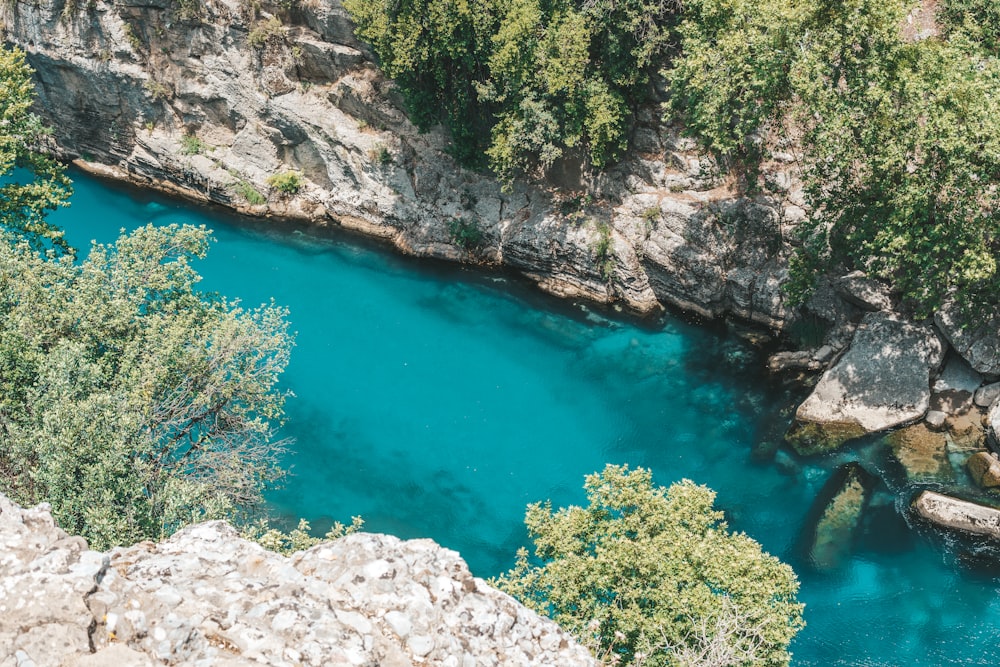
(437, 401)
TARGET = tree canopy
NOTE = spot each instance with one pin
(652, 576)
(31, 182)
(131, 402)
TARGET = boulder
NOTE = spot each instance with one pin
(948, 512)
(881, 382)
(984, 468)
(935, 419)
(979, 345)
(954, 389)
(993, 426)
(836, 516)
(922, 452)
(987, 394)
(856, 288)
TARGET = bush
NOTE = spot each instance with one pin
(163, 399)
(465, 233)
(287, 182)
(651, 576)
(192, 145)
(266, 31)
(250, 193)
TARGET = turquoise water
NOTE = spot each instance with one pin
(437, 402)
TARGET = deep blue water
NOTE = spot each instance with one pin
(437, 402)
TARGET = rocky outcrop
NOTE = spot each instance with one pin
(207, 597)
(209, 99)
(984, 468)
(882, 381)
(979, 345)
(948, 512)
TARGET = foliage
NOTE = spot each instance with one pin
(288, 182)
(732, 75)
(266, 31)
(603, 251)
(131, 402)
(31, 183)
(541, 79)
(978, 20)
(299, 538)
(646, 575)
(192, 145)
(903, 159)
(249, 193)
(465, 233)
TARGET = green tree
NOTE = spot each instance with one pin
(32, 182)
(902, 145)
(526, 81)
(647, 575)
(730, 80)
(130, 401)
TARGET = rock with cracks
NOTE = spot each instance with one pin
(882, 381)
(207, 597)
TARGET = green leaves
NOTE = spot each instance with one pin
(34, 183)
(522, 82)
(646, 575)
(133, 403)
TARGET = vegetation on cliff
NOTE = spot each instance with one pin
(651, 576)
(897, 125)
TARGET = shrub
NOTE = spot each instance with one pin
(465, 233)
(192, 145)
(287, 182)
(266, 31)
(250, 193)
(652, 576)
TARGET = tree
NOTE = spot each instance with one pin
(33, 183)
(902, 143)
(129, 401)
(647, 575)
(523, 82)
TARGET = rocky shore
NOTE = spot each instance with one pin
(207, 597)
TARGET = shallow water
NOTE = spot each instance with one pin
(437, 402)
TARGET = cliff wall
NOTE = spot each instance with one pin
(210, 99)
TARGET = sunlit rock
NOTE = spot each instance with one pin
(881, 382)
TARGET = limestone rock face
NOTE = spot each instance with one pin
(123, 83)
(882, 381)
(207, 597)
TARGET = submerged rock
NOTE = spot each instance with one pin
(882, 381)
(922, 453)
(205, 596)
(948, 512)
(837, 515)
(984, 468)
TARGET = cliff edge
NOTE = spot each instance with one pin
(207, 597)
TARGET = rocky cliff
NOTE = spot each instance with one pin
(211, 98)
(207, 597)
